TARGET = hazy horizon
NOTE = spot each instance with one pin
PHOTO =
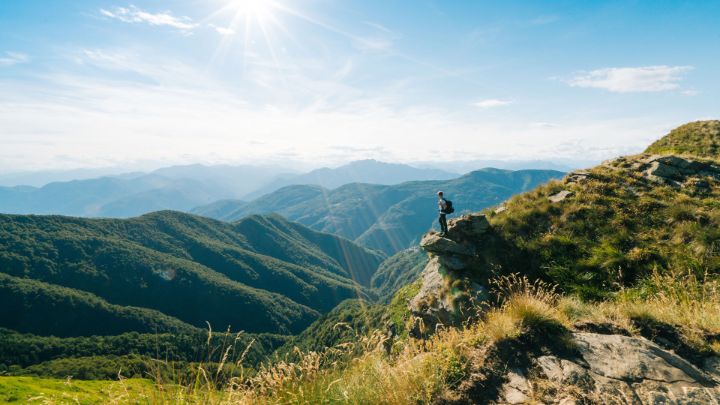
(39, 178)
(107, 83)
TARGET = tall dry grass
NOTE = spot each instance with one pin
(418, 371)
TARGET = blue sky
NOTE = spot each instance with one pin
(105, 83)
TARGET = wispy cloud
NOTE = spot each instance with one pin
(491, 103)
(13, 58)
(379, 27)
(222, 30)
(373, 44)
(134, 14)
(632, 79)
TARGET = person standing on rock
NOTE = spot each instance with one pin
(444, 208)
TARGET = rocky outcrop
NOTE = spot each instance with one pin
(560, 196)
(677, 171)
(615, 369)
(449, 284)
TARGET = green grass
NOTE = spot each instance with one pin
(32, 390)
(700, 138)
(616, 229)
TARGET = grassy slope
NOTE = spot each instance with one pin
(700, 138)
(614, 230)
(31, 390)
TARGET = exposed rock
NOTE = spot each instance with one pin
(434, 243)
(500, 209)
(447, 280)
(577, 176)
(675, 170)
(430, 302)
(452, 262)
(630, 368)
(560, 196)
(435, 303)
(516, 389)
(468, 227)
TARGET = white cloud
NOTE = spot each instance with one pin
(491, 103)
(171, 112)
(379, 27)
(13, 58)
(223, 30)
(133, 14)
(632, 79)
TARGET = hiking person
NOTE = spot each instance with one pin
(444, 207)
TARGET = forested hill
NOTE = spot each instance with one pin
(169, 271)
(389, 218)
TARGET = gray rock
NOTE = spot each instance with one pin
(577, 176)
(434, 243)
(452, 262)
(433, 304)
(560, 196)
(516, 389)
(674, 170)
(468, 227)
(632, 369)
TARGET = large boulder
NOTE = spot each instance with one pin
(436, 244)
(613, 368)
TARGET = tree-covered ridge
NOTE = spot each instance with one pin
(47, 309)
(699, 138)
(22, 350)
(386, 218)
(190, 268)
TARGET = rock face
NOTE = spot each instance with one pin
(618, 369)
(676, 170)
(448, 285)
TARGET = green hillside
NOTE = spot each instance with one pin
(621, 221)
(699, 138)
(386, 218)
(398, 271)
(47, 309)
(190, 268)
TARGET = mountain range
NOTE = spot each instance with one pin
(184, 187)
(388, 218)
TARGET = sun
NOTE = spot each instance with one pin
(260, 11)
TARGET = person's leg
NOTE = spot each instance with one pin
(443, 223)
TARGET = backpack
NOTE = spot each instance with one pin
(449, 207)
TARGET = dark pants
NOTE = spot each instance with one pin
(443, 223)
